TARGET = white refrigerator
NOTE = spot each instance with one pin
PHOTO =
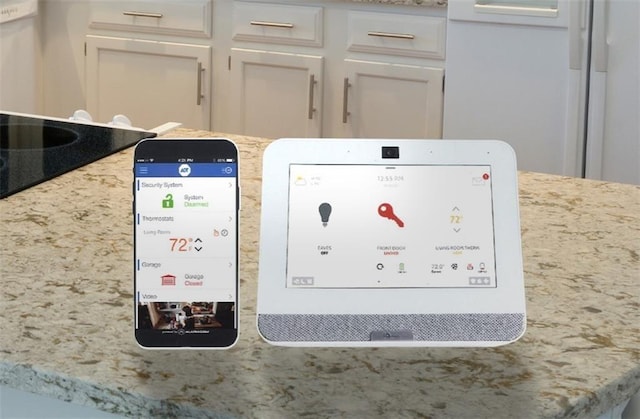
(557, 79)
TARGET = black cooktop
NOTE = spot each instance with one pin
(35, 149)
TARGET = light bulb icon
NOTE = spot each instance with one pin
(325, 212)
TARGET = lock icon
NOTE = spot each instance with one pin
(167, 202)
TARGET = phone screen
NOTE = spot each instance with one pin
(186, 243)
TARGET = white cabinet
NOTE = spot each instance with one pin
(380, 73)
(150, 60)
(171, 17)
(149, 81)
(384, 100)
(396, 34)
(278, 24)
(259, 67)
(275, 94)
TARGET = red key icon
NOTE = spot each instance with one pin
(386, 210)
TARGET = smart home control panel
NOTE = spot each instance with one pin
(410, 230)
(390, 243)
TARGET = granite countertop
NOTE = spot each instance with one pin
(429, 3)
(66, 268)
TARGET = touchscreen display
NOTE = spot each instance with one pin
(379, 226)
(185, 247)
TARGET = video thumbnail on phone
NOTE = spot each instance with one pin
(186, 316)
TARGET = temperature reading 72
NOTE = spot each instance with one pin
(184, 244)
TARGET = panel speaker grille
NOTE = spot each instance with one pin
(463, 327)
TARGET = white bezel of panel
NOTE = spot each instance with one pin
(275, 298)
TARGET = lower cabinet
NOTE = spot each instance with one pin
(274, 94)
(150, 82)
(370, 78)
(383, 100)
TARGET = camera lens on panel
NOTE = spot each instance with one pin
(390, 152)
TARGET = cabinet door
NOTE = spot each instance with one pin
(383, 100)
(275, 95)
(150, 82)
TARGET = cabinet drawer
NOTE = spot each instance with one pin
(397, 34)
(277, 24)
(173, 17)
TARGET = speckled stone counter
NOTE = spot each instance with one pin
(428, 3)
(67, 306)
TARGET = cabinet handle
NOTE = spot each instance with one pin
(345, 100)
(199, 92)
(272, 24)
(142, 14)
(392, 35)
(312, 83)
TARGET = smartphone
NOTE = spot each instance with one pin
(185, 207)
